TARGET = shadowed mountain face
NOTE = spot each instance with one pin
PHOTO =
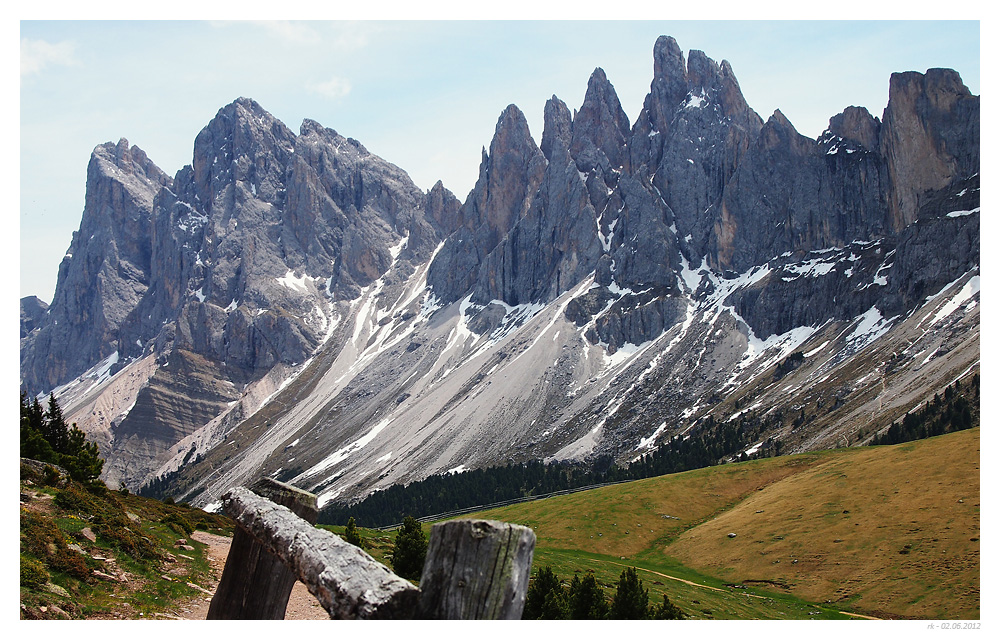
(292, 305)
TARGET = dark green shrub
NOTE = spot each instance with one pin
(100, 506)
(38, 532)
(137, 546)
(71, 563)
(51, 477)
(178, 523)
(33, 573)
(667, 611)
(72, 499)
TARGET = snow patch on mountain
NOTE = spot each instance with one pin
(294, 283)
(970, 289)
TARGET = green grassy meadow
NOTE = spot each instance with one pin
(886, 532)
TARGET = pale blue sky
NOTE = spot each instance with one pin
(423, 95)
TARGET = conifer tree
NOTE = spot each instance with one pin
(54, 429)
(544, 583)
(666, 611)
(409, 550)
(555, 605)
(351, 535)
(586, 599)
(631, 601)
(45, 437)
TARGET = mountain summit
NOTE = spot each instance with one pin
(294, 306)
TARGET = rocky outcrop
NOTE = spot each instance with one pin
(106, 270)
(177, 400)
(509, 176)
(796, 194)
(929, 138)
(33, 311)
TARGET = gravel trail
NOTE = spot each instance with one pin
(302, 605)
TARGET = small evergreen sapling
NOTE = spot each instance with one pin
(409, 550)
(351, 535)
(666, 611)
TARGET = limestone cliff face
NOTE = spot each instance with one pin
(105, 272)
(509, 176)
(238, 258)
(929, 139)
(860, 180)
(699, 178)
(234, 266)
(796, 194)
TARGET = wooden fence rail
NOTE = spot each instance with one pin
(475, 569)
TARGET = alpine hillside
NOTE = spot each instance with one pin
(291, 305)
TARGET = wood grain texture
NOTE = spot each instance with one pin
(256, 584)
(476, 570)
(348, 582)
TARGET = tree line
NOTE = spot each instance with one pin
(944, 414)
(710, 443)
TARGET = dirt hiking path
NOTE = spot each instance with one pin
(302, 605)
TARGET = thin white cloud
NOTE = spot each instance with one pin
(351, 36)
(36, 55)
(334, 88)
(296, 32)
(338, 36)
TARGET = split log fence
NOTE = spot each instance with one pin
(474, 570)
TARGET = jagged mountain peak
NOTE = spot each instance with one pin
(442, 209)
(558, 125)
(778, 122)
(779, 133)
(703, 73)
(508, 176)
(856, 125)
(311, 127)
(130, 160)
(33, 311)
(668, 60)
(935, 83)
(600, 127)
(512, 126)
(237, 146)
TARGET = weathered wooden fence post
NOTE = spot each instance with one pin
(476, 570)
(346, 581)
(255, 583)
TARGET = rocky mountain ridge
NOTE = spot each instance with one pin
(293, 305)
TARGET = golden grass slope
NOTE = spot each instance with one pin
(892, 531)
